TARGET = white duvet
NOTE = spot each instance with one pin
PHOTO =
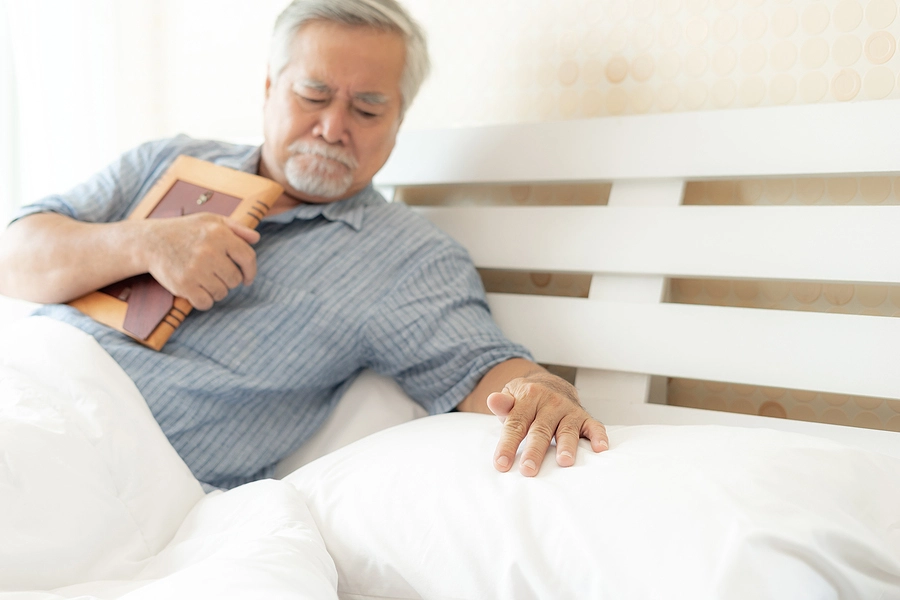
(95, 503)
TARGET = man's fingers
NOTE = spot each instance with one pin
(222, 292)
(229, 272)
(199, 298)
(251, 236)
(202, 256)
(515, 428)
(239, 260)
(539, 436)
(223, 273)
(215, 289)
(567, 435)
(501, 403)
(244, 257)
(594, 430)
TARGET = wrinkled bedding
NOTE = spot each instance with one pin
(95, 503)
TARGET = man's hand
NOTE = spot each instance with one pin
(536, 408)
(200, 257)
(51, 258)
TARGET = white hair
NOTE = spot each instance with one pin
(386, 15)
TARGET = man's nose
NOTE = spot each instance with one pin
(332, 126)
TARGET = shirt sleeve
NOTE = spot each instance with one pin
(110, 194)
(433, 333)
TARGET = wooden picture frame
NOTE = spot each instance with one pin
(139, 306)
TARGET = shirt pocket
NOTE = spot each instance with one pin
(247, 331)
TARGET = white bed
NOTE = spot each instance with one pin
(686, 504)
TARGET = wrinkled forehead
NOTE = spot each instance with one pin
(335, 55)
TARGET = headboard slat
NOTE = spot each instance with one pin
(834, 138)
(790, 349)
(815, 243)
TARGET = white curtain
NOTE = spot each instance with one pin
(58, 100)
(83, 80)
(9, 183)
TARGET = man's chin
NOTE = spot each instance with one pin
(319, 184)
(319, 192)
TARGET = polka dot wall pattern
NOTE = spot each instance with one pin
(838, 409)
(538, 60)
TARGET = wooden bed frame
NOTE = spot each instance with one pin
(624, 334)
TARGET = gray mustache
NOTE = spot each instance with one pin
(325, 152)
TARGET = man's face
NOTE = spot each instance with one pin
(331, 116)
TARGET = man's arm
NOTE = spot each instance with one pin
(49, 257)
(534, 404)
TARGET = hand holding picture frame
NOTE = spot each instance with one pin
(139, 306)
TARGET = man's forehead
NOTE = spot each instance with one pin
(337, 57)
(370, 97)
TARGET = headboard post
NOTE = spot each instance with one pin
(613, 385)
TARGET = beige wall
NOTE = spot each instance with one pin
(538, 60)
(199, 66)
(195, 67)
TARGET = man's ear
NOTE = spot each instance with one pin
(268, 85)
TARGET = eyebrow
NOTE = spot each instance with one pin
(371, 97)
(313, 84)
(367, 97)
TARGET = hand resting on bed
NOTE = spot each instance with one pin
(535, 406)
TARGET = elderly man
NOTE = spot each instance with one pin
(335, 279)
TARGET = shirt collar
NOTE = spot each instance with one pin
(349, 210)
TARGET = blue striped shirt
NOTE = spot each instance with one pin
(358, 283)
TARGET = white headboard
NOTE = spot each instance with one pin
(625, 332)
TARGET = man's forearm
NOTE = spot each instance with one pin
(52, 258)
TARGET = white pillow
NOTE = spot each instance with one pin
(372, 403)
(418, 511)
(90, 487)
